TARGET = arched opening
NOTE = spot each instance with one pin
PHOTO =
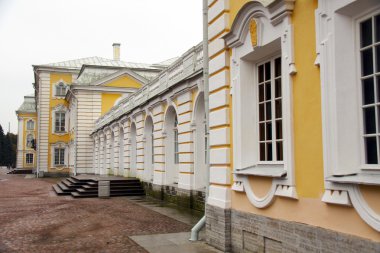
(132, 155)
(112, 154)
(104, 151)
(200, 143)
(171, 147)
(149, 150)
(121, 151)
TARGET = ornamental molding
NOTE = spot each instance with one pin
(275, 12)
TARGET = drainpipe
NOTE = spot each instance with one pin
(202, 222)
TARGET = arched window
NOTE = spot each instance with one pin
(30, 125)
(60, 90)
(149, 149)
(29, 140)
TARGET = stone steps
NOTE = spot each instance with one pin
(81, 187)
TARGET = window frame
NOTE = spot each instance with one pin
(27, 125)
(356, 20)
(60, 86)
(27, 161)
(60, 156)
(271, 58)
(60, 122)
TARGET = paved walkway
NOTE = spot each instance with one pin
(34, 219)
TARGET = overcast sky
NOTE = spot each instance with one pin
(45, 31)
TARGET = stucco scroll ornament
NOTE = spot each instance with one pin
(253, 31)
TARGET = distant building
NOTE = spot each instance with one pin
(27, 134)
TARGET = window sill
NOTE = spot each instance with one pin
(361, 178)
(264, 170)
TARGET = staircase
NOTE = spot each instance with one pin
(21, 171)
(81, 187)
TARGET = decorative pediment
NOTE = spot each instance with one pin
(247, 20)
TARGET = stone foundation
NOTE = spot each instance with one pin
(183, 198)
(234, 231)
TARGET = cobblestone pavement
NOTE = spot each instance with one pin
(34, 219)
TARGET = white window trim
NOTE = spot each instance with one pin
(54, 89)
(271, 27)
(336, 22)
(26, 160)
(60, 108)
(34, 125)
(52, 153)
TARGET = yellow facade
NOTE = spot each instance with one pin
(109, 99)
(308, 146)
(25, 149)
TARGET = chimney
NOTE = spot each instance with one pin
(116, 51)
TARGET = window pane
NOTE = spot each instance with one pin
(279, 151)
(267, 91)
(371, 150)
(267, 71)
(367, 62)
(377, 58)
(278, 129)
(377, 28)
(261, 92)
(368, 91)
(369, 120)
(278, 108)
(268, 110)
(261, 112)
(269, 152)
(262, 151)
(277, 67)
(277, 88)
(261, 73)
(366, 33)
(262, 131)
(269, 131)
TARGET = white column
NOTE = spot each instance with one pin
(126, 129)
(101, 154)
(140, 145)
(96, 155)
(115, 129)
(159, 145)
(20, 146)
(185, 140)
(108, 150)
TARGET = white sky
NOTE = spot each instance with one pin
(45, 31)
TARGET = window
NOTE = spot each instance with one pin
(60, 90)
(270, 110)
(370, 85)
(29, 140)
(176, 150)
(29, 159)
(60, 121)
(30, 125)
(59, 156)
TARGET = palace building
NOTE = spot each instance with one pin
(272, 129)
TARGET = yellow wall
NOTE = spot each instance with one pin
(308, 146)
(27, 117)
(108, 101)
(54, 138)
(125, 82)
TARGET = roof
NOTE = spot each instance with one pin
(167, 62)
(100, 61)
(28, 106)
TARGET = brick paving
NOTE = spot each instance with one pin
(34, 219)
